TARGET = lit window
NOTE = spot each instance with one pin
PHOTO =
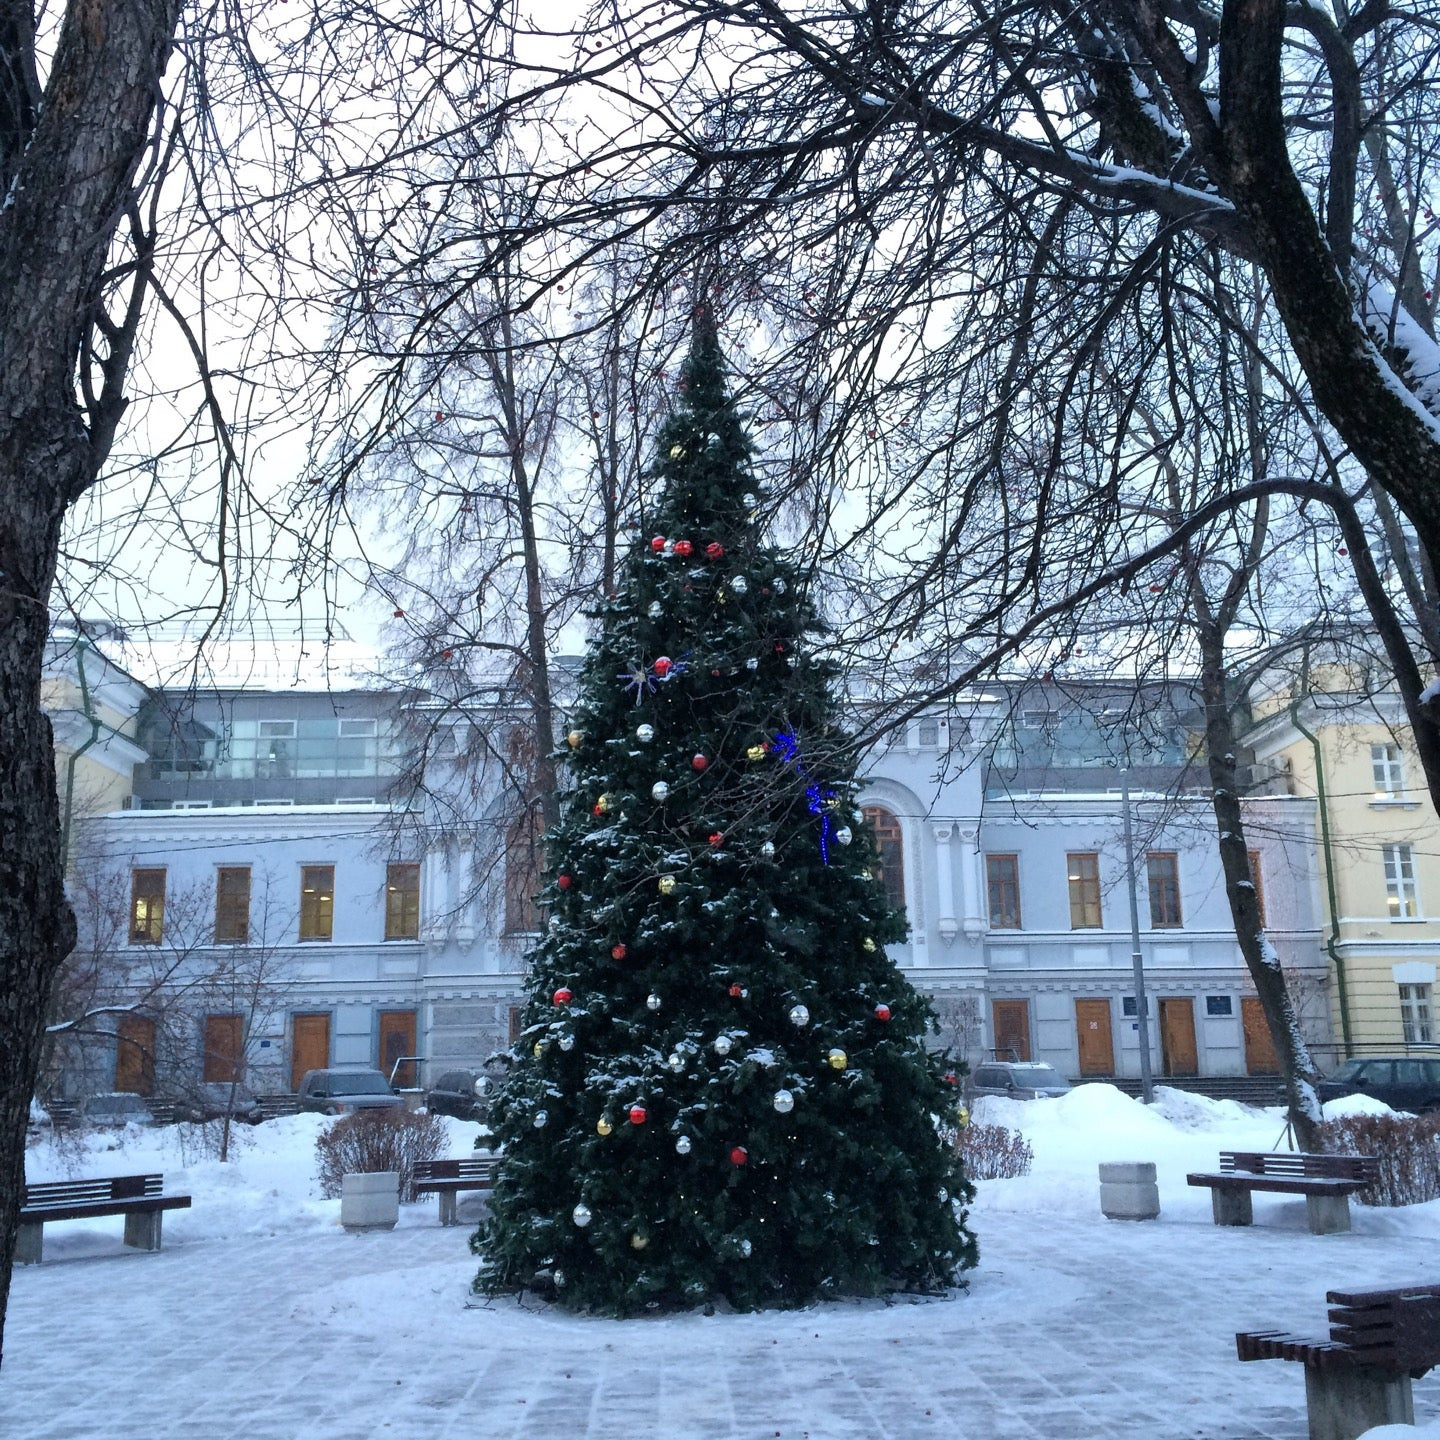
(317, 902)
(1002, 878)
(147, 906)
(1415, 1014)
(1082, 870)
(1400, 891)
(402, 902)
(889, 866)
(1163, 871)
(1388, 769)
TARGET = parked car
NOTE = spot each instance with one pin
(1017, 1079)
(461, 1093)
(340, 1092)
(211, 1101)
(120, 1107)
(1403, 1082)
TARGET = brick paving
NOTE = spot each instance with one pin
(1071, 1329)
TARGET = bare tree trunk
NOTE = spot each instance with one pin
(69, 158)
(1297, 1069)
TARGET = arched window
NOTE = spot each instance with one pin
(889, 856)
(523, 853)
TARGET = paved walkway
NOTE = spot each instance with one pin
(1071, 1330)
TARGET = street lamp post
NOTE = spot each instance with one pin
(1142, 1017)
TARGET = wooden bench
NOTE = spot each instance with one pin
(1360, 1377)
(137, 1197)
(447, 1178)
(1326, 1182)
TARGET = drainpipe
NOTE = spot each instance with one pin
(1332, 940)
(87, 710)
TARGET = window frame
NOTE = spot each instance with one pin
(313, 912)
(149, 930)
(1417, 1013)
(1402, 891)
(402, 904)
(1084, 889)
(889, 840)
(230, 907)
(1165, 888)
(1003, 883)
(1387, 770)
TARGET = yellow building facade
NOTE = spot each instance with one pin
(1378, 853)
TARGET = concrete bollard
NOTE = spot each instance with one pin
(1128, 1190)
(370, 1202)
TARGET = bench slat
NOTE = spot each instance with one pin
(94, 1209)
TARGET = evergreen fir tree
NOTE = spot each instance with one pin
(722, 1089)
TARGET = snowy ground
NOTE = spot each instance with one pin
(262, 1320)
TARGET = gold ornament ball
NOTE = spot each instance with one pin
(838, 1059)
(537, 1049)
(667, 884)
(869, 944)
(603, 804)
(677, 452)
(755, 753)
(575, 739)
(603, 1126)
(639, 1241)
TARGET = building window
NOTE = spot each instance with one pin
(1258, 883)
(929, 733)
(317, 902)
(1389, 771)
(889, 866)
(1163, 871)
(1218, 1005)
(1400, 889)
(1415, 1014)
(1002, 879)
(1130, 1010)
(224, 1049)
(147, 906)
(402, 902)
(232, 905)
(523, 853)
(1083, 872)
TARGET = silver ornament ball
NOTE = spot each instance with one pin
(799, 1015)
(652, 1002)
(682, 1145)
(581, 1215)
(660, 791)
(541, 1120)
(739, 584)
(844, 835)
(722, 1044)
(784, 1101)
(768, 850)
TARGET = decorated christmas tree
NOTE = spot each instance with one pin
(722, 1090)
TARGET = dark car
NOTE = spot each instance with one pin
(1403, 1082)
(119, 1107)
(1017, 1080)
(340, 1092)
(461, 1093)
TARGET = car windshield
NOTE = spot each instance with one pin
(1037, 1074)
(362, 1082)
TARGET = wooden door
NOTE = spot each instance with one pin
(397, 1038)
(1260, 1057)
(309, 1046)
(1012, 1029)
(224, 1061)
(1177, 1037)
(135, 1054)
(1092, 1027)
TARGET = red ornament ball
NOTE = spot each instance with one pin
(564, 995)
(564, 882)
(714, 550)
(1342, 551)
(597, 809)
(779, 647)
(882, 1012)
(739, 1155)
(717, 839)
(737, 991)
(699, 763)
(951, 1078)
(658, 544)
(663, 666)
(683, 549)
(447, 654)
(638, 1115)
(399, 614)
(618, 952)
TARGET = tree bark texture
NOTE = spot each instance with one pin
(69, 166)
(1297, 1069)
